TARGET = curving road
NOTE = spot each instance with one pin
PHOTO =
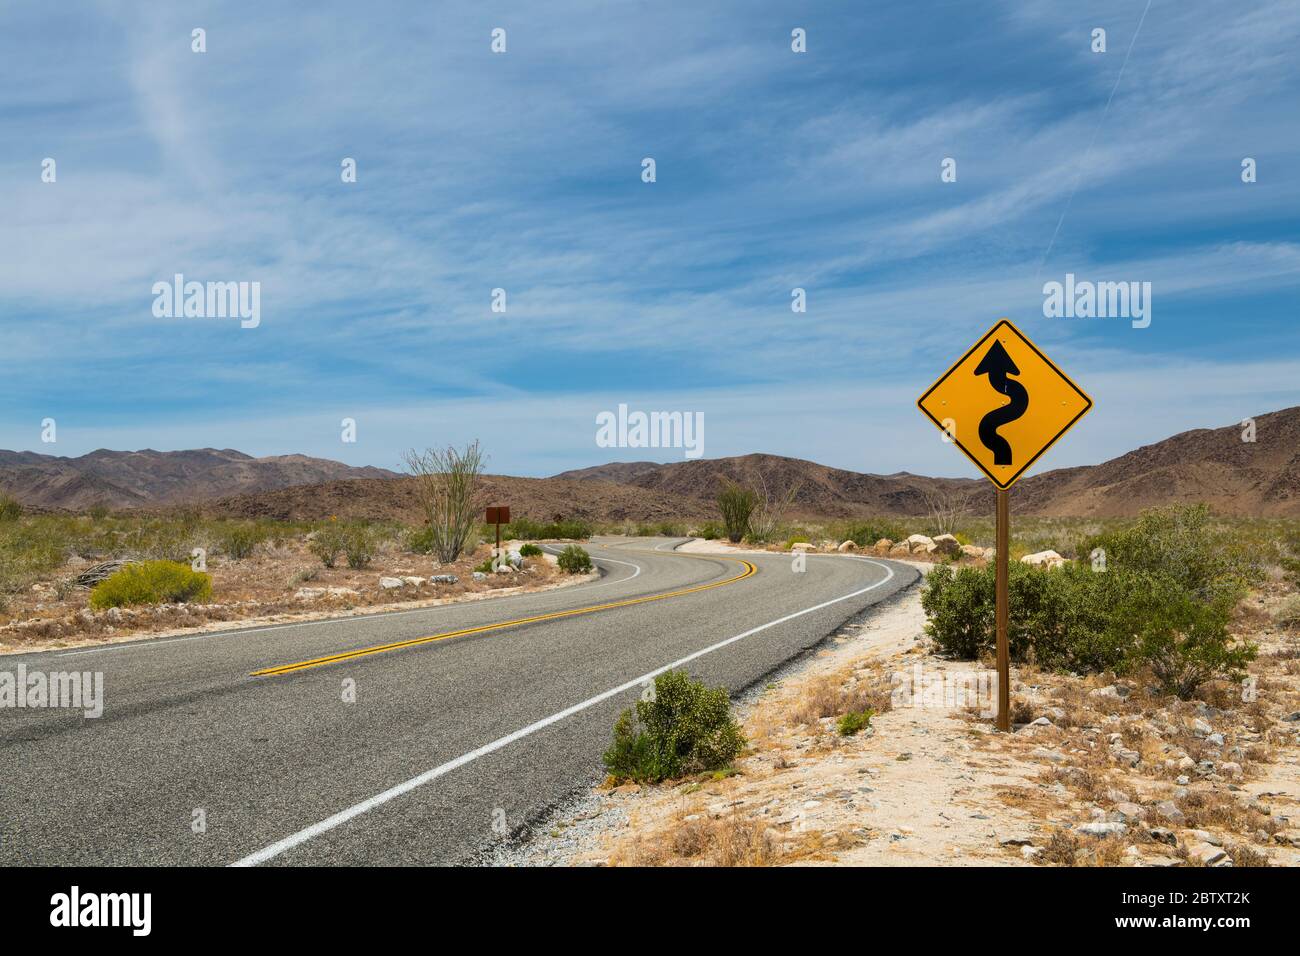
(469, 719)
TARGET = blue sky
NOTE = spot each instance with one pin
(522, 171)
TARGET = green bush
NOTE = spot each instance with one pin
(525, 529)
(359, 547)
(10, 509)
(1139, 614)
(421, 540)
(685, 728)
(710, 532)
(1288, 615)
(1183, 639)
(530, 550)
(152, 582)
(1182, 543)
(574, 560)
(737, 504)
(854, 721)
(328, 542)
(237, 542)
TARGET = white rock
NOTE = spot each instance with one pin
(389, 583)
(413, 581)
(847, 546)
(1100, 829)
(947, 545)
(1043, 559)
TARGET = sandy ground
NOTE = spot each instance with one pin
(933, 784)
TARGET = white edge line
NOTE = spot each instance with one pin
(146, 643)
(343, 816)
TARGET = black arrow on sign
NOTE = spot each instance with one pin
(997, 365)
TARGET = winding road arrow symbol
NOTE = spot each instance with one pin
(997, 365)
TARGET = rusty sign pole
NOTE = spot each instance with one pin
(1002, 553)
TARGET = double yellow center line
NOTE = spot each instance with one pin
(750, 570)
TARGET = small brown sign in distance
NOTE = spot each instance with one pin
(498, 514)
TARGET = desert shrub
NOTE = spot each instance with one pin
(1290, 557)
(525, 529)
(151, 582)
(1137, 615)
(421, 540)
(854, 721)
(359, 546)
(1288, 615)
(237, 542)
(710, 531)
(530, 550)
(1183, 640)
(328, 542)
(574, 560)
(1181, 543)
(737, 504)
(685, 728)
(10, 509)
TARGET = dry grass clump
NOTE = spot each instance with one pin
(834, 695)
(1211, 808)
(698, 839)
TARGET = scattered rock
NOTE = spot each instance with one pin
(884, 544)
(413, 581)
(1168, 810)
(1206, 853)
(1163, 835)
(444, 579)
(1131, 812)
(1043, 559)
(947, 545)
(389, 583)
(1102, 828)
(847, 546)
(919, 544)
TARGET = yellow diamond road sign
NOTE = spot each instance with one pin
(1004, 403)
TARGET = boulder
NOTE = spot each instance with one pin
(413, 581)
(1131, 812)
(1168, 810)
(803, 546)
(883, 545)
(1043, 559)
(900, 549)
(389, 584)
(919, 543)
(947, 545)
(480, 576)
(848, 546)
(972, 551)
(444, 579)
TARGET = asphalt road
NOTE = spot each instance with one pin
(449, 742)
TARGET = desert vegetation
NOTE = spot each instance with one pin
(87, 576)
(1155, 598)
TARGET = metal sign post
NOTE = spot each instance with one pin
(1001, 615)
